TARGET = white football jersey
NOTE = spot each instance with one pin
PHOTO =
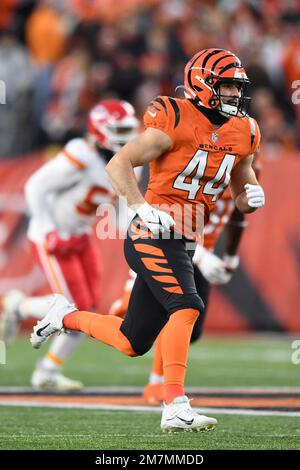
(64, 193)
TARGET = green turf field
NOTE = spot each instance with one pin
(37, 428)
(243, 361)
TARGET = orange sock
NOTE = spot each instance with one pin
(157, 365)
(175, 347)
(105, 328)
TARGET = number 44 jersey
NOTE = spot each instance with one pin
(192, 176)
(64, 194)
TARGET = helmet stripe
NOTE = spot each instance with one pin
(219, 60)
(216, 51)
(230, 66)
(190, 67)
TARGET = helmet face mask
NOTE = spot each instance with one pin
(236, 105)
(207, 71)
(112, 124)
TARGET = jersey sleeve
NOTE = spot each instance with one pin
(78, 153)
(257, 165)
(51, 178)
(160, 115)
(255, 135)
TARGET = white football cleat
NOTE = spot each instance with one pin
(53, 381)
(10, 320)
(59, 307)
(179, 416)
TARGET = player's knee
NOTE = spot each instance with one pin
(126, 346)
(189, 301)
(198, 327)
(140, 348)
(135, 345)
(196, 334)
(131, 353)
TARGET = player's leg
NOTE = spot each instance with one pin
(153, 392)
(92, 272)
(168, 262)
(166, 268)
(112, 330)
(203, 288)
(65, 275)
(82, 272)
(46, 375)
(144, 313)
(10, 316)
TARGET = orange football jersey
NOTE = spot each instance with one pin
(192, 176)
(223, 209)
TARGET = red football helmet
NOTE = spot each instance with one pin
(112, 123)
(204, 74)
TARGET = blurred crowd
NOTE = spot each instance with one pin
(57, 57)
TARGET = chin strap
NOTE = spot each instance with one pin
(228, 109)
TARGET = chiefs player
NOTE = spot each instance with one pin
(62, 197)
(195, 146)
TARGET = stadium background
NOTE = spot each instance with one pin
(58, 57)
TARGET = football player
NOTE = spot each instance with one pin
(208, 269)
(196, 146)
(63, 196)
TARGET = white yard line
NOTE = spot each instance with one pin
(107, 390)
(147, 409)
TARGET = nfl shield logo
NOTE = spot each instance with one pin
(214, 137)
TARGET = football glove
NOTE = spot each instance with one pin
(156, 221)
(211, 266)
(255, 195)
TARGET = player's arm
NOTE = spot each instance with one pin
(247, 194)
(234, 231)
(233, 234)
(148, 146)
(49, 179)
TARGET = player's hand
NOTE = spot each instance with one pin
(156, 221)
(56, 245)
(255, 195)
(211, 266)
(231, 263)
